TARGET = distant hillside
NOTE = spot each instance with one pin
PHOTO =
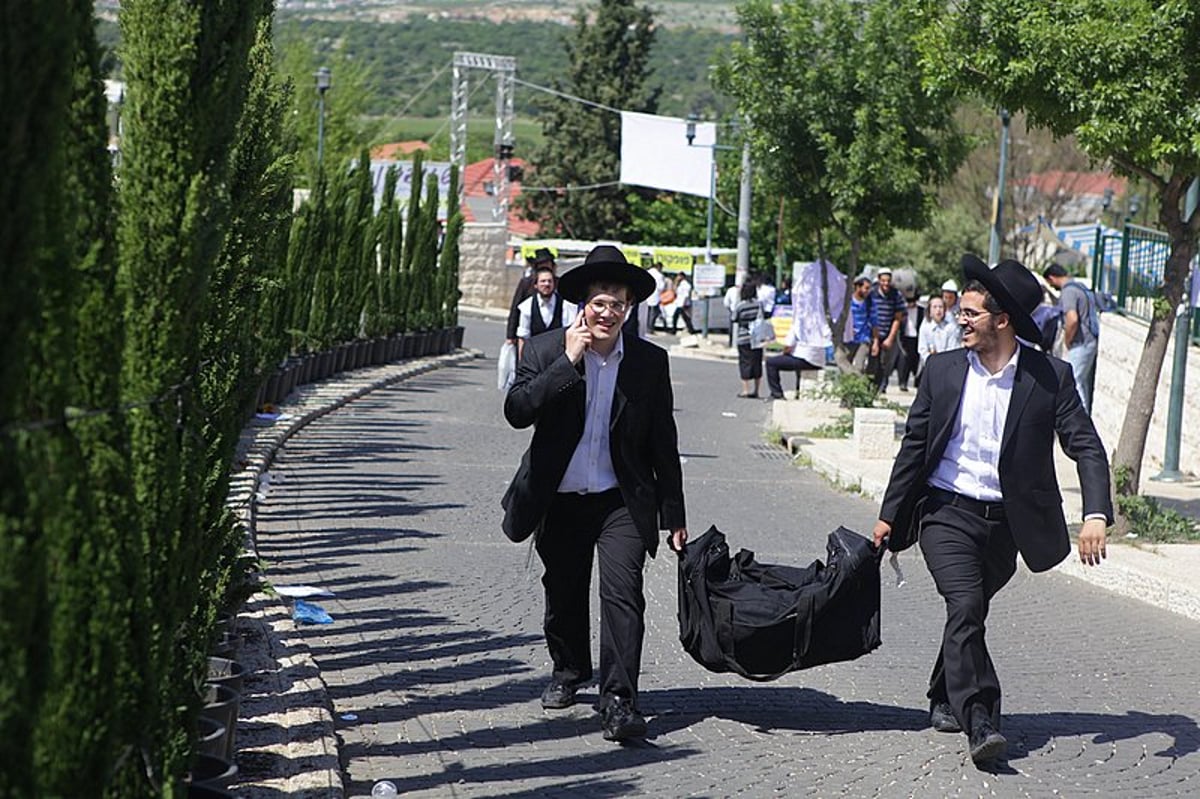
(405, 56)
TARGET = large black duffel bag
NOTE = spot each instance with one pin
(762, 621)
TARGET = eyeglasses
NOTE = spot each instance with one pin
(600, 306)
(970, 314)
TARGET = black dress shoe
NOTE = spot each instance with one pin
(558, 694)
(987, 743)
(941, 717)
(621, 722)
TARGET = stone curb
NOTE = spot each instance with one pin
(297, 700)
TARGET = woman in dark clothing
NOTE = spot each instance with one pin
(750, 362)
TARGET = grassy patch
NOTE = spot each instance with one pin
(1153, 523)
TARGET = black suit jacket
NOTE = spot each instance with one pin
(1044, 403)
(549, 392)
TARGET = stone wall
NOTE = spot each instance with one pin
(485, 279)
(1121, 342)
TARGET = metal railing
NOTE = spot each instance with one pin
(1130, 268)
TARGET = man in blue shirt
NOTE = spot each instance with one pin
(889, 308)
(858, 328)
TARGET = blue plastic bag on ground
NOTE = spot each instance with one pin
(308, 613)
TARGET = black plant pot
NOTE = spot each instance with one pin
(227, 672)
(212, 772)
(270, 392)
(307, 362)
(221, 705)
(211, 740)
(340, 355)
(379, 351)
(458, 337)
(410, 345)
(423, 343)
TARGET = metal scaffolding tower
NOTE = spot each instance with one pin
(504, 69)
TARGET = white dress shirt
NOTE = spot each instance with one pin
(545, 307)
(591, 470)
(971, 463)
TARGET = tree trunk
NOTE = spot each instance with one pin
(1127, 460)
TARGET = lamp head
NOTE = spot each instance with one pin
(691, 129)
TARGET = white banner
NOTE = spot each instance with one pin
(404, 182)
(655, 153)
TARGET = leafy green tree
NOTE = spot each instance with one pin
(347, 130)
(1135, 107)
(608, 64)
(840, 122)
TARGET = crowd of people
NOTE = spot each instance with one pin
(888, 331)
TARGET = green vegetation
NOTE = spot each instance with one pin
(143, 310)
(1152, 522)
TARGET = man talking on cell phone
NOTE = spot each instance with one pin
(601, 475)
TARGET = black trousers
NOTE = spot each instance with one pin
(785, 363)
(576, 526)
(909, 360)
(971, 559)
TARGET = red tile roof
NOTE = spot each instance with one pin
(1076, 184)
(394, 150)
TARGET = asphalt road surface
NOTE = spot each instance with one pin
(435, 662)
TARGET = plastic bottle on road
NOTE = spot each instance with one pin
(385, 788)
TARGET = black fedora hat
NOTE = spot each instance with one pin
(1014, 287)
(605, 264)
(542, 255)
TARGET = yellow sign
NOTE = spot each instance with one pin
(633, 255)
(674, 260)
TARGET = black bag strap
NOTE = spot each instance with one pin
(801, 640)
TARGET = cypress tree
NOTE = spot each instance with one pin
(38, 460)
(186, 70)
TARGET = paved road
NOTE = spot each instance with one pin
(435, 662)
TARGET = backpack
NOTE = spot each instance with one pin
(1092, 320)
(762, 621)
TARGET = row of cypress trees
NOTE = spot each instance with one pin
(140, 312)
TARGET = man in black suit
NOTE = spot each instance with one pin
(975, 477)
(602, 474)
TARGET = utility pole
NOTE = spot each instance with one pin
(743, 233)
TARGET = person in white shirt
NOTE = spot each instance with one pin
(682, 306)
(653, 307)
(544, 310)
(938, 332)
(974, 484)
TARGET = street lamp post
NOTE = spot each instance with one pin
(324, 80)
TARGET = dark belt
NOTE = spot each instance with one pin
(988, 510)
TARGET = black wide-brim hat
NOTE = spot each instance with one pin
(1015, 289)
(542, 255)
(605, 264)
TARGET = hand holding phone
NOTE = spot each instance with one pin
(579, 338)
